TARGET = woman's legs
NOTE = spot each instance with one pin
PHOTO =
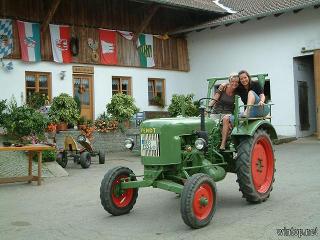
(225, 131)
(252, 98)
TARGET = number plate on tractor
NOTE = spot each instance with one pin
(150, 144)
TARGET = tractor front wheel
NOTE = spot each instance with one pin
(62, 159)
(85, 159)
(255, 167)
(198, 200)
(115, 200)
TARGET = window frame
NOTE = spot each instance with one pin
(154, 91)
(120, 90)
(37, 83)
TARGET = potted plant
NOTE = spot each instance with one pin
(36, 100)
(82, 122)
(105, 123)
(178, 102)
(64, 111)
(24, 124)
(51, 129)
(158, 101)
(122, 108)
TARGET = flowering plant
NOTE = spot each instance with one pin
(104, 125)
(88, 131)
(30, 139)
(51, 127)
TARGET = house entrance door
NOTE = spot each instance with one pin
(317, 87)
(83, 89)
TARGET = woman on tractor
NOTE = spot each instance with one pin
(251, 93)
(223, 103)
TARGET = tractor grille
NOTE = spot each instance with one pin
(150, 145)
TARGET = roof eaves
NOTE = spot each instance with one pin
(217, 9)
(217, 23)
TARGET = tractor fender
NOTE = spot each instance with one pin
(252, 126)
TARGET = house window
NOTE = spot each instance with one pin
(156, 91)
(121, 85)
(39, 82)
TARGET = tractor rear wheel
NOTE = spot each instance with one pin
(198, 200)
(255, 167)
(115, 200)
(85, 159)
(62, 159)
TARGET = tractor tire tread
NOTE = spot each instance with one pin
(243, 170)
(187, 200)
(106, 188)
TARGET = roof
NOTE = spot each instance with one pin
(249, 9)
(203, 5)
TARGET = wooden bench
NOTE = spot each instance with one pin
(31, 149)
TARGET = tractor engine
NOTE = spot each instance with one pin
(178, 143)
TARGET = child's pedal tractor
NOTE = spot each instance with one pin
(81, 152)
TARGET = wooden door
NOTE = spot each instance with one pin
(303, 105)
(83, 89)
(317, 87)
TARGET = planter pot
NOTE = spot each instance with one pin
(62, 126)
(126, 124)
(81, 126)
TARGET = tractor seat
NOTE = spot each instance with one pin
(70, 144)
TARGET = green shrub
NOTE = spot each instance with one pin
(64, 109)
(47, 156)
(78, 102)
(36, 100)
(177, 101)
(2, 111)
(24, 121)
(122, 107)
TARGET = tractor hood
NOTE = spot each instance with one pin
(175, 126)
(161, 138)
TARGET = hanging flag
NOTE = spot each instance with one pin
(162, 37)
(29, 34)
(60, 42)
(108, 48)
(5, 37)
(145, 49)
(127, 35)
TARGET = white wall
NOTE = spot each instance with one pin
(13, 83)
(259, 46)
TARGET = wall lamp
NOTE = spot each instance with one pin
(62, 75)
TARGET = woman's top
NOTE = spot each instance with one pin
(225, 103)
(243, 93)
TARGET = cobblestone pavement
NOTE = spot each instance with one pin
(68, 208)
(16, 164)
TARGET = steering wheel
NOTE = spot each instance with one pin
(210, 109)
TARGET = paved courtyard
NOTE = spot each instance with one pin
(69, 207)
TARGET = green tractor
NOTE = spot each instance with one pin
(182, 155)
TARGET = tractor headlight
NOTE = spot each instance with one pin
(81, 138)
(129, 143)
(200, 144)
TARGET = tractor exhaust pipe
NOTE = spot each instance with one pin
(202, 121)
